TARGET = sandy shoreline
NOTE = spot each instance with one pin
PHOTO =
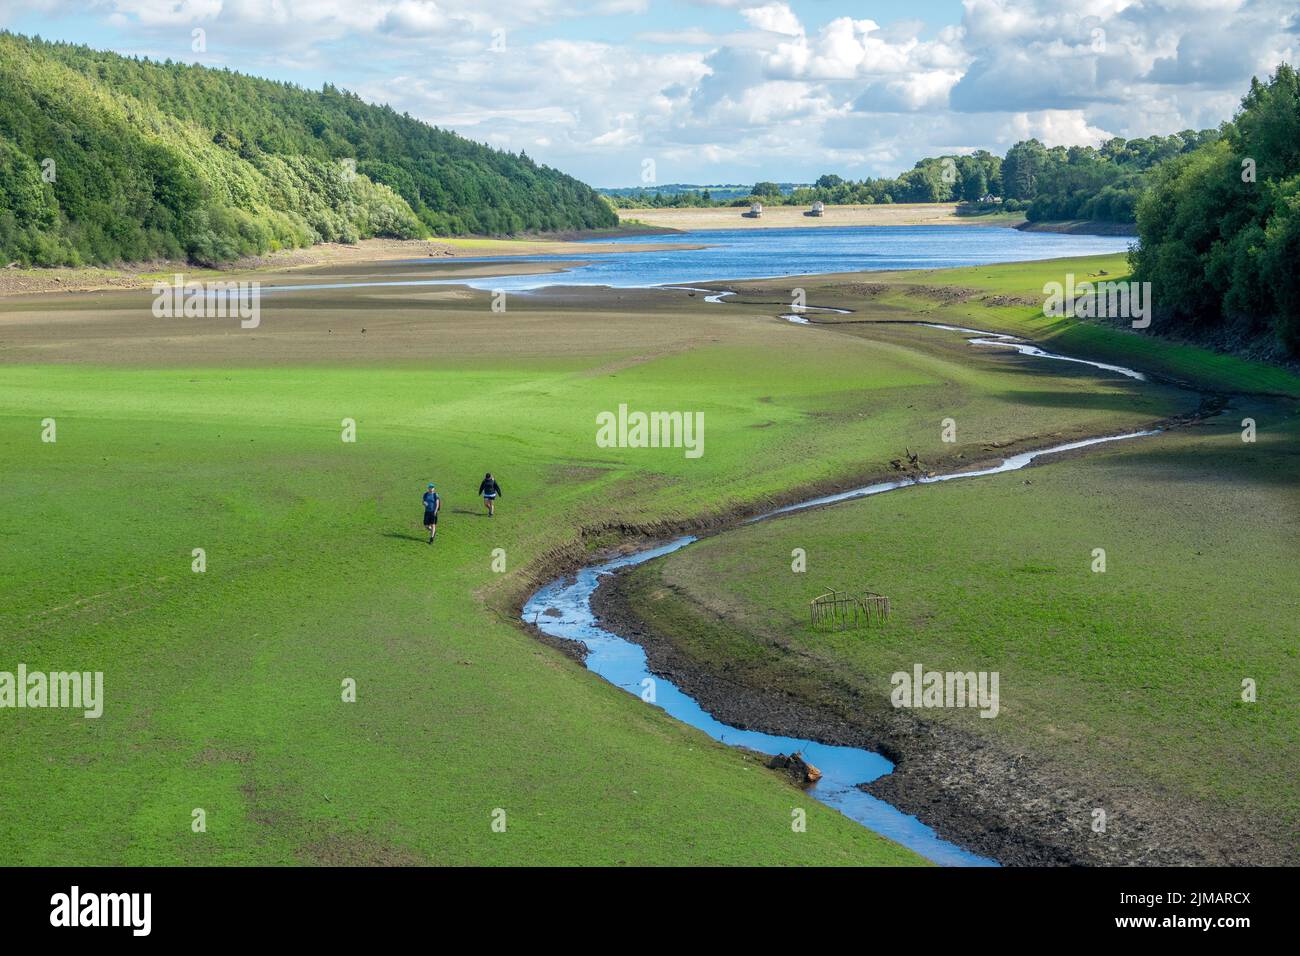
(18, 282)
(786, 217)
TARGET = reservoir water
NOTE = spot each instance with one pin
(734, 254)
(760, 253)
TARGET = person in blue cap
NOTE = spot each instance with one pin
(432, 505)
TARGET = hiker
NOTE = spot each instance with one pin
(432, 505)
(490, 491)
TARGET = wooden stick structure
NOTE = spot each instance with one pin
(841, 610)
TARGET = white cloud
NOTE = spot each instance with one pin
(416, 18)
(1053, 128)
(751, 90)
(774, 18)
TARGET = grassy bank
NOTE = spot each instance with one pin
(1123, 686)
(1009, 297)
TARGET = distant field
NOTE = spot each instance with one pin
(898, 214)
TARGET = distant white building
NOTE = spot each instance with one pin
(818, 209)
(755, 210)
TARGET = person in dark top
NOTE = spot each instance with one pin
(490, 491)
(432, 505)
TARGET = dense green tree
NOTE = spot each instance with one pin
(974, 179)
(1021, 168)
(1220, 224)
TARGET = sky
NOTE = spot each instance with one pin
(632, 92)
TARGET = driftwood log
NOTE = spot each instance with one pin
(800, 770)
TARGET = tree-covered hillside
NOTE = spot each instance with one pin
(104, 158)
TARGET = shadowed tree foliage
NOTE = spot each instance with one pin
(1220, 227)
(1099, 184)
(105, 158)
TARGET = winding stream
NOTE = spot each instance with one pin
(562, 609)
(1025, 348)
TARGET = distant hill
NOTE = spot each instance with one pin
(105, 158)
